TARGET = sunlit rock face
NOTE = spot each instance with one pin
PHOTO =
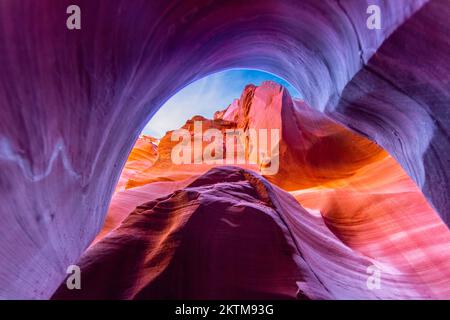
(258, 107)
(400, 99)
(74, 102)
(232, 234)
(356, 210)
(143, 155)
(313, 150)
(220, 237)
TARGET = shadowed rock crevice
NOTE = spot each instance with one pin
(219, 238)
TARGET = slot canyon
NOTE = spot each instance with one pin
(364, 157)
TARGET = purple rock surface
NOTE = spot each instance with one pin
(74, 101)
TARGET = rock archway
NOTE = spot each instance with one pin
(74, 101)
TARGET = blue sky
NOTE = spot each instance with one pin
(206, 96)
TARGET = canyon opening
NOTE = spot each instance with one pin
(216, 150)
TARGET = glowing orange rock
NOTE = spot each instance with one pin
(362, 211)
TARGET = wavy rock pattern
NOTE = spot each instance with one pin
(400, 99)
(197, 231)
(353, 190)
(231, 234)
(74, 102)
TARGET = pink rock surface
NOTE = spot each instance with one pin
(220, 237)
(357, 210)
(143, 156)
(74, 102)
(231, 234)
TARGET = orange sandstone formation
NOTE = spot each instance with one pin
(355, 192)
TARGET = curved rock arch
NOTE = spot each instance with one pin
(74, 101)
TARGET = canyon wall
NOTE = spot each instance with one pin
(73, 102)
